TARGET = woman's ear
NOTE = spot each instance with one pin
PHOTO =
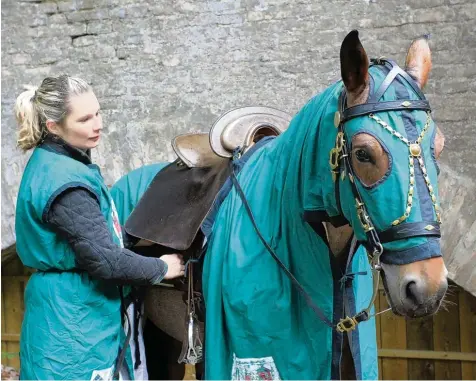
(52, 127)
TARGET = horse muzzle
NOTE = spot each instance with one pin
(416, 289)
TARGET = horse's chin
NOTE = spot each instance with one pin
(399, 310)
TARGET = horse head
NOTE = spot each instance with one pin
(385, 170)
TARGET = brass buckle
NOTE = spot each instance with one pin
(335, 154)
(346, 325)
(334, 158)
(363, 217)
(339, 141)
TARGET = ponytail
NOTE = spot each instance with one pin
(28, 119)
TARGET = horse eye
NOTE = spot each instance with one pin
(362, 156)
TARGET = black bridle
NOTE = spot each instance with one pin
(341, 166)
(375, 239)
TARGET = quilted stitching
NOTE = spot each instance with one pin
(75, 214)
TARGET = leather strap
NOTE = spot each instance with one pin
(410, 229)
(337, 190)
(314, 216)
(374, 238)
(374, 245)
(368, 108)
(411, 81)
(125, 345)
(291, 277)
(373, 105)
(384, 86)
(342, 102)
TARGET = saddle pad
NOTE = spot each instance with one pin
(177, 201)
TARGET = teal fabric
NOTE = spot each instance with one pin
(253, 312)
(365, 348)
(393, 190)
(126, 193)
(72, 323)
(128, 190)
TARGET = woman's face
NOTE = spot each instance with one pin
(82, 127)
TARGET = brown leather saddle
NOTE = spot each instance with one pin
(172, 210)
(168, 217)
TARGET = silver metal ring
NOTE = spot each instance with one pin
(379, 250)
(376, 257)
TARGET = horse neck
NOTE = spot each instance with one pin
(339, 240)
(300, 169)
(317, 185)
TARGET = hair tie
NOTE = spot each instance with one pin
(32, 99)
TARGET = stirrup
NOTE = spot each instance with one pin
(192, 347)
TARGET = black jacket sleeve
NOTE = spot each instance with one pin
(75, 214)
(128, 240)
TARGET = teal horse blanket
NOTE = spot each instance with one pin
(257, 324)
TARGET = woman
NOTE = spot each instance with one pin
(67, 228)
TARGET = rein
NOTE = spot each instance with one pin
(345, 325)
(341, 153)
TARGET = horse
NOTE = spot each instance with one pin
(316, 215)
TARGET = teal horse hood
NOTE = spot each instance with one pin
(408, 226)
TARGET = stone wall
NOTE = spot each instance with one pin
(160, 68)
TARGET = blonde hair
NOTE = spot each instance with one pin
(36, 105)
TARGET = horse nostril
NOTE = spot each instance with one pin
(419, 297)
(411, 291)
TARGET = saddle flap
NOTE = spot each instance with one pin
(194, 150)
(173, 208)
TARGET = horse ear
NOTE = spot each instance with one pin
(354, 64)
(418, 61)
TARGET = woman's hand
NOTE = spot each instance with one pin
(176, 268)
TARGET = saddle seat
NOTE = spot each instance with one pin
(238, 128)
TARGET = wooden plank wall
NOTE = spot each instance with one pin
(467, 323)
(419, 349)
(408, 349)
(14, 279)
